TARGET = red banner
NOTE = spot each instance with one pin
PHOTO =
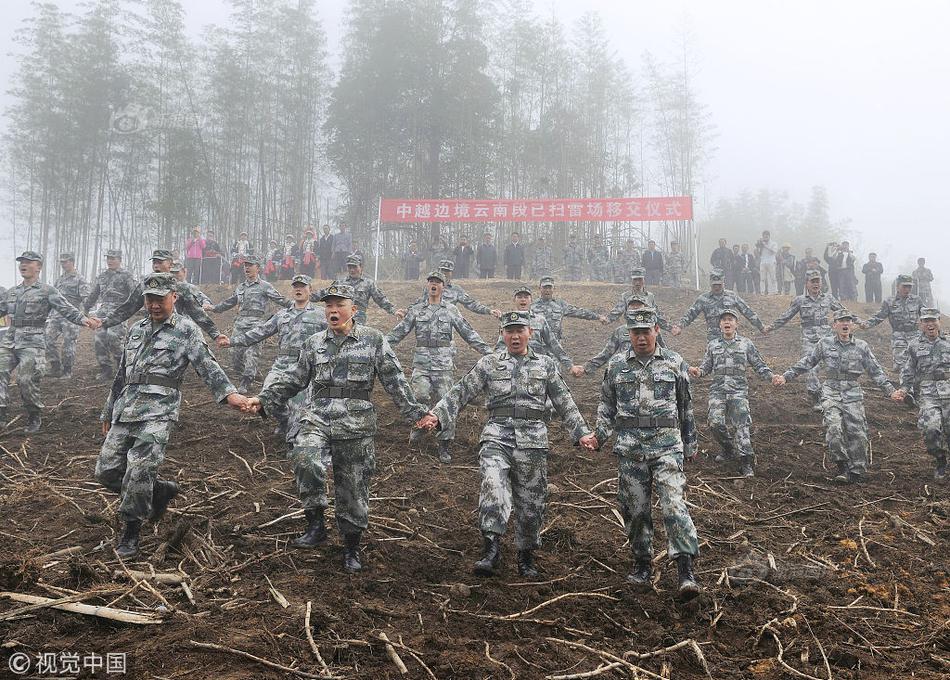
(537, 210)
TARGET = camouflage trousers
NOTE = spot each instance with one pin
(672, 279)
(244, 360)
(573, 273)
(634, 491)
(428, 387)
(846, 433)
(30, 363)
(108, 344)
(353, 460)
(513, 478)
(730, 422)
(128, 464)
(934, 422)
(58, 328)
(812, 383)
(900, 340)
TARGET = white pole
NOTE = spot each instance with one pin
(379, 222)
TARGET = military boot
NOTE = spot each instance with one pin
(940, 471)
(351, 552)
(316, 532)
(162, 494)
(34, 423)
(526, 564)
(444, 455)
(129, 543)
(491, 555)
(642, 573)
(727, 453)
(688, 587)
(843, 476)
(745, 466)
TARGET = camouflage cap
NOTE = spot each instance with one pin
(339, 290)
(929, 313)
(302, 279)
(716, 276)
(643, 300)
(447, 265)
(354, 259)
(252, 259)
(522, 289)
(159, 283)
(547, 281)
(114, 252)
(30, 256)
(67, 257)
(177, 266)
(437, 275)
(813, 274)
(516, 318)
(641, 318)
(905, 280)
(638, 273)
(729, 312)
(842, 314)
(162, 254)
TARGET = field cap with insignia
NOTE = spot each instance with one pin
(162, 254)
(435, 275)
(641, 318)
(114, 252)
(547, 281)
(354, 259)
(729, 312)
(638, 273)
(30, 256)
(252, 259)
(905, 280)
(716, 276)
(302, 279)
(340, 290)
(516, 318)
(159, 283)
(67, 257)
(843, 314)
(813, 274)
(642, 299)
(522, 289)
(447, 265)
(929, 313)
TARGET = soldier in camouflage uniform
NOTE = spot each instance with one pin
(926, 375)
(674, 267)
(574, 259)
(252, 298)
(645, 398)
(637, 289)
(814, 308)
(902, 311)
(365, 289)
(75, 289)
(598, 257)
(338, 367)
(730, 420)
(542, 258)
(843, 359)
(113, 286)
(711, 305)
(23, 346)
(625, 261)
(433, 365)
(619, 340)
(292, 327)
(453, 293)
(181, 275)
(144, 402)
(513, 447)
(554, 310)
(543, 340)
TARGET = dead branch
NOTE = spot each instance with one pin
(257, 659)
(313, 645)
(89, 610)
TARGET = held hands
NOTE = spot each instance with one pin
(106, 426)
(496, 313)
(238, 402)
(577, 371)
(603, 320)
(766, 330)
(207, 307)
(92, 322)
(778, 380)
(899, 396)
(677, 329)
(223, 341)
(428, 422)
(400, 314)
(694, 372)
(590, 442)
(252, 405)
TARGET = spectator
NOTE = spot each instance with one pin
(923, 278)
(211, 269)
(745, 266)
(736, 266)
(463, 256)
(542, 259)
(439, 252)
(239, 250)
(274, 257)
(722, 259)
(289, 258)
(487, 257)
(325, 252)
(785, 262)
(514, 257)
(308, 253)
(653, 264)
(342, 248)
(412, 259)
(872, 270)
(841, 271)
(765, 252)
(194, 252)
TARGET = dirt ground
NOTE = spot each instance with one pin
(802, 578)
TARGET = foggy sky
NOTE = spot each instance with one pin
(851, 95)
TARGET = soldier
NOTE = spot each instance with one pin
(338, 367)
(292, 327)
(23, 346)
(75, 289)
(598, 257)
(113, 286)
(730, 419)
(843, 359)
(144, 402)
(554, 310)
(923, 280)
(542, 259)
(711, 304)
(513, 447)
(433, 365)
(624, 261)
(902, 311)
(926, 375)
(543, 341)
(645, 398)
(814, 309)
(455, 294)
(181, 275)
(619, 340)
(674, 269)
(363, 288)
(252, 297)
(573, 259)
(637, 289)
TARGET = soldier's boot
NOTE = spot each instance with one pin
(526, 564)
(351, 552)
(855, 478)
(163, 493)
(940, 471)
(491, 555)
(642, 573)
(316, 532)
(34, 423)
(415, 435)
(67, 372)
(129, 543)
(727, 453)
(688, 586)
(3, 415)
(842, 476)
(745, 466)
(445, 455)
(815, 399)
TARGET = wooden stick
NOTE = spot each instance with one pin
(781, 654)
(605, 655)
(165, 579)
(897, 520)
(391, 651)
(606, 668)
(512, 617)
(312, 642)
(87, 609)
(265, 662)
(488, 656)
(864, 545)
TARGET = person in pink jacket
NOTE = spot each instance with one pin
(194, 251)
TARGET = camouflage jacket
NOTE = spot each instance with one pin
(147, 384)
(510, 382)
(74, 288)
(554, 310)
(927, 370)
(363, 290)
(542, 258)
(291, 326)
(111, 289)
(28, 307)
(648, 403)
(621, 308)
(842, 364)
(902, 313)
(351, 362)
(186, 304)
(543, 341)
(619, 341)
(433, 325)
(814, 313)
(252, 298)
(727, 362)
(454, 294)
(674, 263)
(573, 255)
(598, 255)
(711, 306)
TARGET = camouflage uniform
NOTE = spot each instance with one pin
(433, 365)
(542, 260)
(454, 294)
(926, 374)
(252, 299)
(513, 447)
(647, 402)
(23, 346)
(144, 402)
(814, 313)
(75, 289)
(111, 288)
(902, 314)
(554, 310)
(621, 307)
(729, 418)
(543, 341)
(711, 305)
(364, 289)
(598, 256)
(623, 263)
(842, 399)
(674, 270)
(574, 261)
